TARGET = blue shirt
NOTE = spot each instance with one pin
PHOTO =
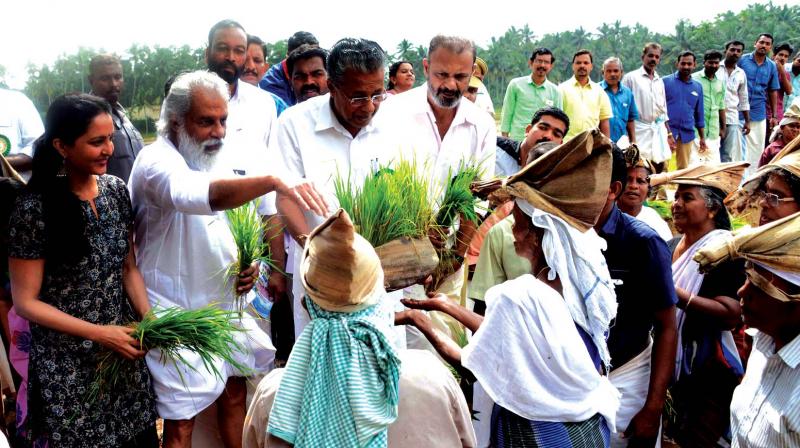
(276, 82)
(684, 106)
(760, 79)
(624, 108)
(640, 264)
(280, 105)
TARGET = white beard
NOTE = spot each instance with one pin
(195, 153)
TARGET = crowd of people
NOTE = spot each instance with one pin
(590, 320)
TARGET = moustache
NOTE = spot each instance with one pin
(310, 88)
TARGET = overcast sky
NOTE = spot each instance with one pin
(38, 31)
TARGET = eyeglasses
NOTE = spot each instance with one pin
(364, 100)
(773, 200)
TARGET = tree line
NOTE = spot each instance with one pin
(146, 68)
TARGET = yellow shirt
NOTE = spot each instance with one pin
(584, 105)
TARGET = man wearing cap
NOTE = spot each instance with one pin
(641, 365)
(765, 409)
(483, 100)
(788, 129)
(333, 133)
(541, 388)
(527, 94)
(345, 384)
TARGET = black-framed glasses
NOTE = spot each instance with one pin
(364, 100)
(773, 200)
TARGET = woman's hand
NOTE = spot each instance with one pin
(119, 339)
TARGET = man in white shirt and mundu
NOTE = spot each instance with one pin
(179, 186)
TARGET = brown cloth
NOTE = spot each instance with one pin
(775, 245)
(571, 181)
(340, 270)
(745, 199)
(723, 176)
(634, 159)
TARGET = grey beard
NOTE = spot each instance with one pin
(194, 152)
(444, 104)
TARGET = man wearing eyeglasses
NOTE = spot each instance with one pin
(333, 135)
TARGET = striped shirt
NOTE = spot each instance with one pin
(765, 411)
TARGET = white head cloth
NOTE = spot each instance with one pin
(585, 281)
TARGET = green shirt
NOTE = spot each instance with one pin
(713, 102)
(523, 98)
(498, 261)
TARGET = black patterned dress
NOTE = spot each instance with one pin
(62, 367)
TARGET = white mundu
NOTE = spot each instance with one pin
(183, 251)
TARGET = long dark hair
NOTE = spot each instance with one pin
(393, 72)
(68, 118)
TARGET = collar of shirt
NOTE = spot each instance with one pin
(605, 87)
(537, 86)
(464, 113)
(574, 82)
(642, 72)
(611, 223)
(789, 354)
(677, 77)
(326, 119)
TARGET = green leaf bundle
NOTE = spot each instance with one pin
(458, 198)
(207, 331)
(391, 204)
(248, 232)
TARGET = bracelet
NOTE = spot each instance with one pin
(686, 308)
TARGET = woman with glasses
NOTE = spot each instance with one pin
(708, 364)
(772, 193)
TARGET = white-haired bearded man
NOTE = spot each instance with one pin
(179, 187)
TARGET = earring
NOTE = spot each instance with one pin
(62, 171)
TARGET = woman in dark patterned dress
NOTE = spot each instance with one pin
(74, 277)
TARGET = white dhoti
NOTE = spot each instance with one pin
(632, 380)
(651, 138)
(183, 391)
(711, 156)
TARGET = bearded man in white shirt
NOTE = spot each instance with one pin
(443, 132)
(179, 187)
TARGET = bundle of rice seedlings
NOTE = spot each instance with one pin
(248, 232)
(207, 331)
(458, 201)
(391, 204)
(458, 198)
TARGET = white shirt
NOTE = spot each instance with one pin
(736, 96)
(252, 118)
(765, 410)
(183, 250)
(651, 100)
(651, 217)
(472, 136)
(20, 123)
(313, 145)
